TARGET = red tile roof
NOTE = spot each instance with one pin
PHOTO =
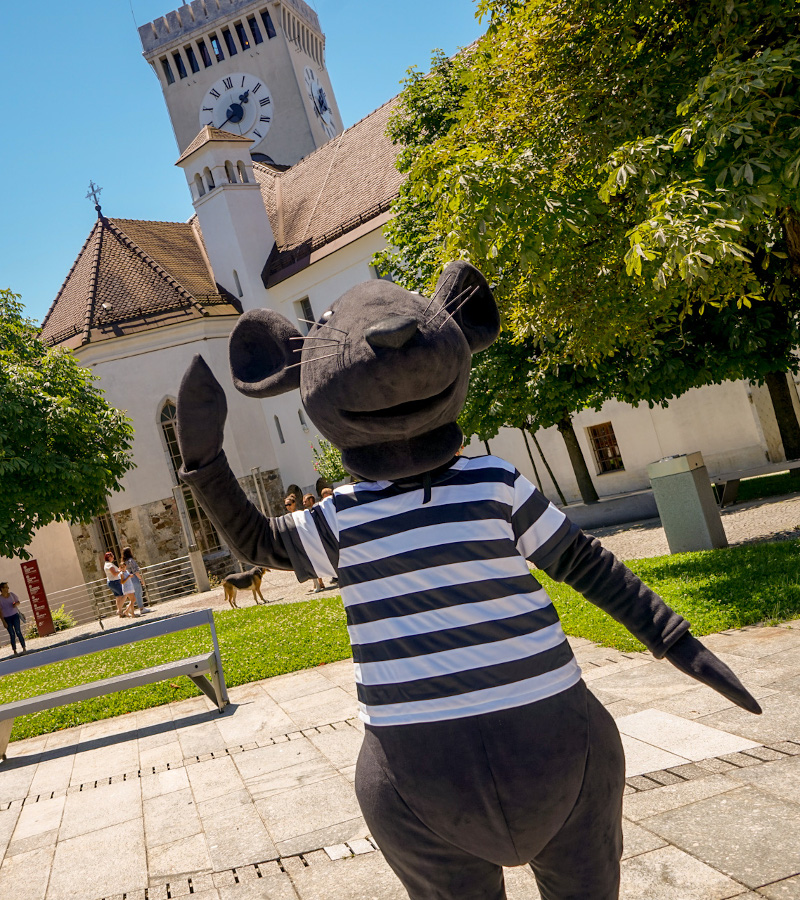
(132, 276)
(156, 273)
(346, 182)
(207, 134)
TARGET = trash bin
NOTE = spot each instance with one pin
(686, 503)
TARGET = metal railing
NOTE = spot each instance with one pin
(163, 581)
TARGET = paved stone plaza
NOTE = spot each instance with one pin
(258, 802)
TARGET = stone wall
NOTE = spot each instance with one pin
(153, 530)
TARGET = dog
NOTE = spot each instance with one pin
(236, 581)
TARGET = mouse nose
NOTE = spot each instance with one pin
(394, 331)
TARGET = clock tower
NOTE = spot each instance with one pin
(249, 67)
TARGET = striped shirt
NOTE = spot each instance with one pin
(444, 616)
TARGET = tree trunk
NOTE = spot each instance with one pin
(579, 467)
(530, 457)
(791, 231)
(780, 394)
(488, 450)
(556, 485)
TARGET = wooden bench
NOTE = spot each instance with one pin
(205, 670)
(727, 484)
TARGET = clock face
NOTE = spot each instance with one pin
(320, 101)
(241, 104)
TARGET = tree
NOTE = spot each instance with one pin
(517, 180)
(328, 462)
(63, 449)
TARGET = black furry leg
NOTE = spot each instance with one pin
(429, 867)
(582, 860)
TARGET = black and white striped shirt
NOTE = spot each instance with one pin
(444, 616)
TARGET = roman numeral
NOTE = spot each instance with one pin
(210, 123)
(265, 101)
(257, 132)
(208, 109)
(265, 119)
(256, 89)
(228, 82)
(242, 84)
(214, 93)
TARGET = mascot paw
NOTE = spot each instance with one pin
(697, 661)
(202, 409)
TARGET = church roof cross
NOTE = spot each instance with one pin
(94, 194)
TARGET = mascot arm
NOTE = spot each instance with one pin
(202, 410)
(255, 538)
(581, 562)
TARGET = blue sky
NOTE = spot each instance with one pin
(80, 103)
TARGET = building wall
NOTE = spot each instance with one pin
(53, 549)
(717, 420)
(140, 372)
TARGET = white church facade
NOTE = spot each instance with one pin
(289, 212)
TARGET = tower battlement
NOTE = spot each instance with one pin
(200, 15)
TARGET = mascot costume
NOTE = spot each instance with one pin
(483, 746)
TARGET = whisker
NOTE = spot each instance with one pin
(471, 294)
(310, 337)
(435, 294)
(321, 325)
(315, 359)
(446, 306)
(324, 346)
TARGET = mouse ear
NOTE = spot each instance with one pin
(262, 354)
(478, 316)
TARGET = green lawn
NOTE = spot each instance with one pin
(767, 486)
(255, 642)
(715, 590)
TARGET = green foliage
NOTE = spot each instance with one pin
(718, 188)
(328, 461)
(63, 449)
(61, 621)
(548, 154)
(714, 590)
(255, 643)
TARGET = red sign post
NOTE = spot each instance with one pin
(39, 604)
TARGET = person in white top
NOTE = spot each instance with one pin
(114, 580)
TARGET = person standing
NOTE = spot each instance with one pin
(138, 582)
(10, 614)
(128, 593)
(114, 581)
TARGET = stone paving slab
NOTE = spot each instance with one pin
(241, 805)
(746, 834)
(690, 740)
(671, 874)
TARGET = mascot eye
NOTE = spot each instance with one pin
(327, 315)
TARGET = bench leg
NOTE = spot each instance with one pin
(730, 492)
(206, 687)
(5, 734)
(218, 680)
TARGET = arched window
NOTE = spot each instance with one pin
(302, 419)
(209, 179)
(242, 172)
(198, 183)
(205, 535)
(230, 172)
(278, 428)
(239, 291)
